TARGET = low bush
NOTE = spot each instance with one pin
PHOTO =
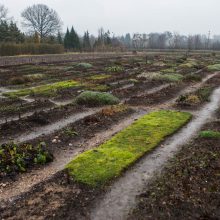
(25, 79)
(84, 65)
(114, 109)
(200, 96)
(12, 49)
(192, 77)
(17, 158)
(89, 98)
(213, 68)
(114, 69)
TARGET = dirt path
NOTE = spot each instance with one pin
(121, 197)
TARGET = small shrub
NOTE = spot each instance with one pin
(25, 79)
(204, 93)
(192, 77)
(114, 69)
(188, 99)
(70, 132)
(213, 68)
(90, 98)
(209, 134)
(192, 99)
(84, 65)
(112, 110)
(17, 158)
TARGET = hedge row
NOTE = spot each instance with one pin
(12, 49)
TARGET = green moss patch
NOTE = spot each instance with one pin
(209, 134)
(90, 98)
(46, 90)
(213, 68)
(99, 77)
(189, 64)
(96, 167)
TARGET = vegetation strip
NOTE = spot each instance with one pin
(44, 89)
(96, 167)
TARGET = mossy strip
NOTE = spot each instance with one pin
(96, 167)
(49, 89)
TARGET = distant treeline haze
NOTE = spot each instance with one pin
(43, 34)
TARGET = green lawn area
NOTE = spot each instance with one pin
(209, 134)
(215, 67)
(48, 89)
(96, 167)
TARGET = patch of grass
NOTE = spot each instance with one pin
(209, 134)
(99, 77)
(32, 69)
(213, 68)
(189, 64)
(169, 70)
(114, 69)
(44, 90)
(84, 65)
(99, 88)
(96, 167)
(170, 77)
(90, 98)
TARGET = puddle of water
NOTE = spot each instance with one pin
(120, 199)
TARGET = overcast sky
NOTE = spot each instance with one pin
(122, 16)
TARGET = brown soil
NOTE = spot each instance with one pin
(158, 97)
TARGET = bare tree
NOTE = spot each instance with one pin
(41, 19)
(3, 12)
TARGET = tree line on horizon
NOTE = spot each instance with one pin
(43, 29)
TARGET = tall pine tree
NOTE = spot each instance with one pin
(74, 40)
(67, 39)
(59, 38)
(86, 41)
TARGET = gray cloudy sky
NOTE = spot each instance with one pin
(122, 16)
